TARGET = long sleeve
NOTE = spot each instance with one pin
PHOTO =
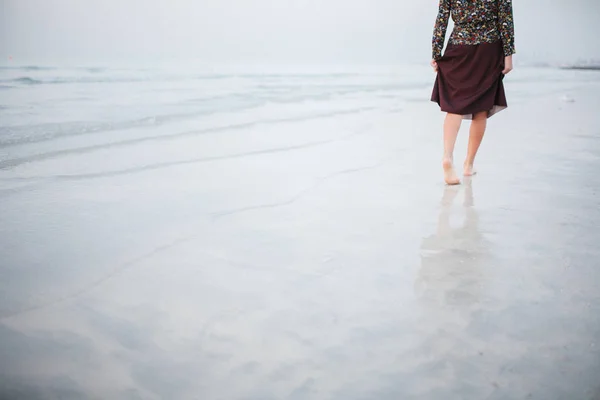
(506, 26)
(439, 32)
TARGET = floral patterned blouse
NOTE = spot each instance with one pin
(475, 21)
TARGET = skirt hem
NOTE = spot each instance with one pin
(468, 115)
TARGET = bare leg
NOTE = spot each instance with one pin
(476, 133)
(451, 128)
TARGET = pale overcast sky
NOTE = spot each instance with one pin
(279, 31)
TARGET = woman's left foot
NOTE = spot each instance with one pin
(469, 170)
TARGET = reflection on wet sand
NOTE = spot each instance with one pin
(451, 273)
(450, 288)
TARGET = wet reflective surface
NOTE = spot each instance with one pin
(310, 259)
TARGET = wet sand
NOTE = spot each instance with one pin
(320, 259)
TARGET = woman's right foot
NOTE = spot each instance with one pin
(449, 174)
(468, 169)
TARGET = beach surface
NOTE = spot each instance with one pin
(289, 236)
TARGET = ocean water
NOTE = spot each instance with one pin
(45, 103)
(50, 112)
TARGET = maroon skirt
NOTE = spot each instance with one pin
(469, 79)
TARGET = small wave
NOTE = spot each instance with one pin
(4, 87)
(36, 68)
(26, 80)
(16, 135)
(29, 68)
(582, 67)
(587, 64)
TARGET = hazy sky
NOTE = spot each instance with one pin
(282, 31)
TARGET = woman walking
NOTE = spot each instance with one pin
(470, 73)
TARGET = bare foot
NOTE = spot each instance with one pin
(468, 170)
(449, 175)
